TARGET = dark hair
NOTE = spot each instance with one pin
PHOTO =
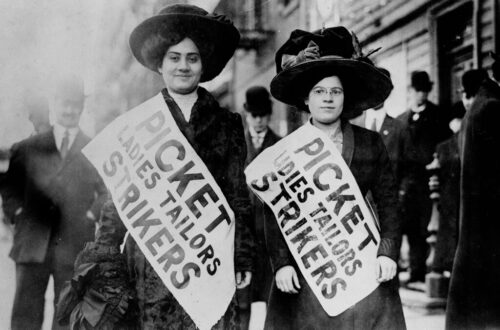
(306, 86)
(156, 46)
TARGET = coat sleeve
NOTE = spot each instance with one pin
(13, 183)
(111, 230)
(401, 161)
(101, 195)
(100, 292)
(276, 246)
(238, 197)
(385, 195)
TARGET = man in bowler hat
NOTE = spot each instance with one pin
(445, 217)
(258, 136)
(425, 125)
(57, 195)
(474, 298)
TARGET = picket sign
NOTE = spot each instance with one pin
(322, 215)
(171, 206)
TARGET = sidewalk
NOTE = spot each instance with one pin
(422, 312)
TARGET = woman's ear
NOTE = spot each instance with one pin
(160, 70)
(306, 101)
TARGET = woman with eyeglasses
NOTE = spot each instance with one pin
(325, 74)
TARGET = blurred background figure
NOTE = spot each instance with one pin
(37, 107)
(425, 126)
(53, 195)
(391, 130)
(474, 299)
(253, 300)
(445, 191)
(395, 138)
(5, 222)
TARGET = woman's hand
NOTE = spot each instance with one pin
(386, 269)
(243, 282)
(287, 280)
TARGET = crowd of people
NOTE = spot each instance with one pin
(68, 225)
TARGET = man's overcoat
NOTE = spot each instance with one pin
(474, 299)
(262, 279)
(49, 198)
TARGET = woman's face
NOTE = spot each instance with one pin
(181, 67)
(326, 100)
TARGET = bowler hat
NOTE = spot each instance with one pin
(420, 81)
(215, 36)
(257, 101)
(472, 80)
(340, 55)
(68, 85)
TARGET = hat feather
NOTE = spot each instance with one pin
(357, 46)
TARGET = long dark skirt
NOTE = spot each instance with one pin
(380, 310)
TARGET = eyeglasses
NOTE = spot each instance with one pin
(321, 91)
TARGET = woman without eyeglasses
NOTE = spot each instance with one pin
(186, 45)
(324, 73)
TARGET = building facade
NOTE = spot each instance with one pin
(442, 37)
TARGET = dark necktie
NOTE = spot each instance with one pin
(65, 145)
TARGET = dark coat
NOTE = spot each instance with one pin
(218, 138)
(366, 156)
(474, 299)
(449, 201)
(424, 130)
(423, 135)
(392, 132)
(262, 278)
(53, 197)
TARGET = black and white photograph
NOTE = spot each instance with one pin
(249, 164)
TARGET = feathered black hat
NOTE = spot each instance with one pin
(337, 53)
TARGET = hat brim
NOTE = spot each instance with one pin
(364, 85)
(262, 110)
(223, 38)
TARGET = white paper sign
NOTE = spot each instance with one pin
(172, 207)
(322, 215)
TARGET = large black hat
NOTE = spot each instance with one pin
(214, 35)
(258, 101)
(420, 81)
(339, 54)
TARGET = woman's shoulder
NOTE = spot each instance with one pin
(364, 133)
(232, 119)
(222, 113)
(367, 140)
